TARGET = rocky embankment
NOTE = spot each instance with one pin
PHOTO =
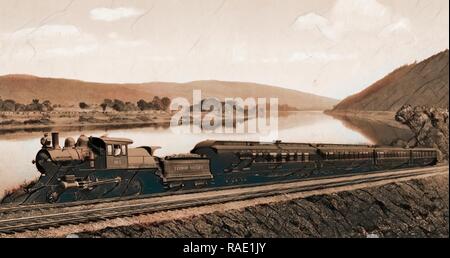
(415, 208)
(428, 125)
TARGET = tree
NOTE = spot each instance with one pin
(104, 106)
(34, 106)
(83, 105)
(20, 107)
(9, 105)
(130, 106)
(118, 105)
(142, 104)
(47, 105)
(157, 103)
(108, 102)
(165, 103)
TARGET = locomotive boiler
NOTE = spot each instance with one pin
(105, 167)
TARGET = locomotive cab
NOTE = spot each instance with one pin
(114, 153)
(110, 153)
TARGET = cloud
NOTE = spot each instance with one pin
(49, 41)
(59, 40)
(319, 56)
(55, 30)
(109, 14)
(310, 20)
(348, 17)
(315, 22)
(129, 43)
(72, 51)
(403, 25)
(366, 8)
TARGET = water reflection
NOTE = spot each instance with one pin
(19, 149)
(378, 132)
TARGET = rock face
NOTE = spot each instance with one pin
(424, 83)
(415, 208)
(429, 126)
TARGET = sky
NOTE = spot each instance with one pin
(332, 48)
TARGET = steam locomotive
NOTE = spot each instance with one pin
(104, 167)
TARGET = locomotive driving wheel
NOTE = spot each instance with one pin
(52, 197)
(134, 188)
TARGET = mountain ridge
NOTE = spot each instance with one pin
(417, 84)
(23, 88)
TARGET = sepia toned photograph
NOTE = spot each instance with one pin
(224, 119)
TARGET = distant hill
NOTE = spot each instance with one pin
(424, 83)
(24, 88)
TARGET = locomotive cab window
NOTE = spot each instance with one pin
(109, 149)
(117, 150)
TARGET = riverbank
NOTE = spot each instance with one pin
(16, 122)
(385, 117)
(378, 126)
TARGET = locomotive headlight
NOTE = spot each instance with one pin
(41, 159)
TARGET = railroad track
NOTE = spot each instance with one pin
(12, 208)
(33, 217)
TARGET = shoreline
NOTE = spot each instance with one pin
(69, 127)
(27, 122)
(91, 121)
(386, 117)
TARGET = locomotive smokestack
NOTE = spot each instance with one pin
(55, 140)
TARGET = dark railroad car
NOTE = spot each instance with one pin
(261, 162)
(341, 159)
(252, 162)
(424, 157)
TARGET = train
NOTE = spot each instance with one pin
(104, 167)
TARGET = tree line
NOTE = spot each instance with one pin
(35, 105)
(156, 104)
(118, 105)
